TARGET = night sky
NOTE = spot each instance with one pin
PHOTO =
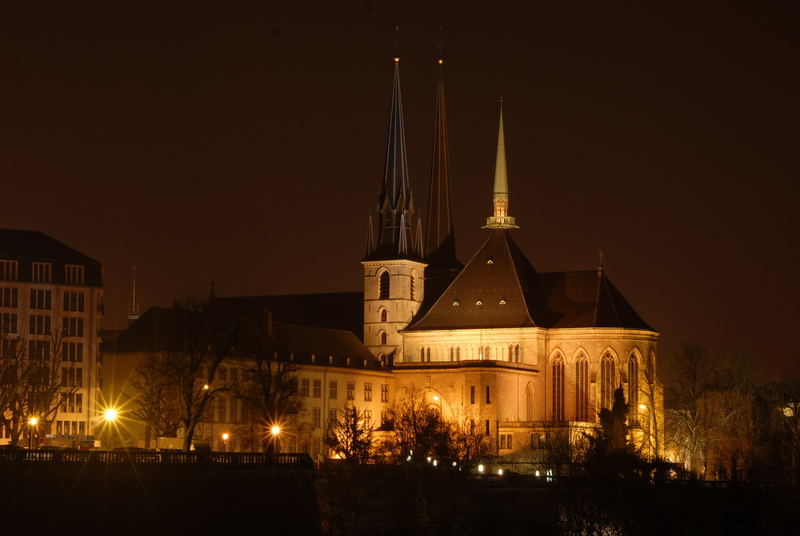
(245, 145)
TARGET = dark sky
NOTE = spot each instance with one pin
(245, 145)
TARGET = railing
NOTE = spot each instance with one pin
(148, 457)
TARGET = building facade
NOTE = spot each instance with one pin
(51, 306)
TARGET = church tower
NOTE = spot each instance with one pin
(393, 269)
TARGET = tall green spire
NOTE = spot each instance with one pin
(500, 218)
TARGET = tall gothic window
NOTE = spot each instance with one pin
(558, 388)
(383, 337)
(582, 388)
(529, 409)
(633, 387)
(384, 315)
(607, 381)
(384, 286)
(510, 353)
(517, 353)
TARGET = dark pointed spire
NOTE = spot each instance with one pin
(439, 240)
(395, 202)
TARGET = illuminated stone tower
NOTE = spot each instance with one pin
(393, 267)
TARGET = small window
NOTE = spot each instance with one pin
(471, 394)
(488, 394)
(456, 303)
(384, 392)
(479, 302)
(367, 392)
(502, 301)
(304, 385)
(317, 390)
(42, 272)
(384, 315)
(333, 388)
(490, 261)
(9, 270)
(73, 274)
(351, 390)
(383, 337)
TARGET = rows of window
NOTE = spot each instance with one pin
(72, 377)
(313, 389)
(512, 353)
(70, 427)
(42, 299)
(42, 272)
(472, 394)
(72, 402)
(40, 325)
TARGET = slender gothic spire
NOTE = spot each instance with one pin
(440, 240)
(500, 218)
(395, 202)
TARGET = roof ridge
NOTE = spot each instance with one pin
(441, 296)
(516, 276)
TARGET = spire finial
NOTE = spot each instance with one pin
(500, 218)
(600, 262)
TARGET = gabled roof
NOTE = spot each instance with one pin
(336, 310)
(160, 329)
(34, 245)
(497, 288)
(588, 299)
(513, 294)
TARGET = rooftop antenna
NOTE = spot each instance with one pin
(133, 312)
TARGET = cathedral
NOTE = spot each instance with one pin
(519, 353)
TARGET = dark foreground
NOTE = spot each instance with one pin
(193, 499)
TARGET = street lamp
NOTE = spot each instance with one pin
(225, 437)
(275, 432)
(32, 422)
(109, 416)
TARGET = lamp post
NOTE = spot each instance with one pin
(32, 422)
(109, 416)
(225, 437)
(275, 432)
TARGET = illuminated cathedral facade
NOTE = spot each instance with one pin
(520, 353)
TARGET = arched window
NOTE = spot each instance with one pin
(384, 286)
(422, 354)
(458, 353)
(529, 415)
(510, 353)
(383, 337)
(487, 354)
(607, 381)
(428, 355)
(558, 388)
(633, 387)
(384, 315)
(582, 388)
(517, 353)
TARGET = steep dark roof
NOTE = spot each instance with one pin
(588, 299)
(158, 329)
(340, 310)
(34, 246)
(499, 272)
(497, 288)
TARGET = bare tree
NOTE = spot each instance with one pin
(34, 382)
(350, 436)
(269, 387)
(155, 399)
(197, 343)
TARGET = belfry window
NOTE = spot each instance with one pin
(384, 286)
(383, 337)
(633, 387)
(384, 315)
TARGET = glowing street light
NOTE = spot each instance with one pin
(481, 468)
(32, 422)
(275, 430)
(642, 407)
(225, 437)
(110, 415)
